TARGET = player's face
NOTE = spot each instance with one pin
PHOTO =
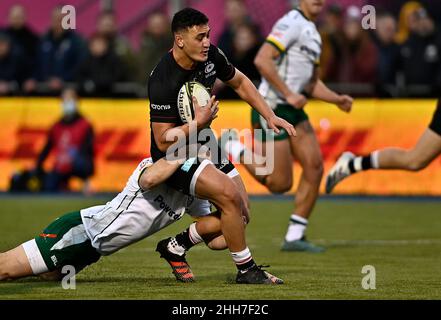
(312, 7)
(196, 42)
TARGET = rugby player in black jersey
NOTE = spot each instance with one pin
(193, 58)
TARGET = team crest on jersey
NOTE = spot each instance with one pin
(209, 70)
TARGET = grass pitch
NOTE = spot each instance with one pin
(401, 239)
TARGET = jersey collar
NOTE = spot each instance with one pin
(301, 12)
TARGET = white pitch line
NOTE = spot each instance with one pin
(379, 242)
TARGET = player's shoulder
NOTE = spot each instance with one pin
(294, 18)
(161, 69)
(162, 79)
(214, 50)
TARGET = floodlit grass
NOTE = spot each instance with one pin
(401, 239)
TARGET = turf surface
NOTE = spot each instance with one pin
(401, 239)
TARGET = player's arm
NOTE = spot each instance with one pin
(167, 134)
(158, 172)
(248, 92)
(320, 91)
(265, 62)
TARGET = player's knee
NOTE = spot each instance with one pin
(279, 185)
(4, 275)
(414, 161)
(417, 165)
(4, 272)
(230, 195)
(314, 169)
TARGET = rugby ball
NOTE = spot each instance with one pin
(185, 102)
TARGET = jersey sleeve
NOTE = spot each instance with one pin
(285, 32)
(142, 167)
(163, 106)
(225, 70)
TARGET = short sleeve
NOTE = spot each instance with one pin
(285, 32)
(163, 105)
(224, 69)
(142, 166)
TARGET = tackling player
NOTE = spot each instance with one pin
(144, 207)
(289, 64)
(193, 58)
(419, 157)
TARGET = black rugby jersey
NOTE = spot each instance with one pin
(168, 77)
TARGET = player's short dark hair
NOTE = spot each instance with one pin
(187, 18)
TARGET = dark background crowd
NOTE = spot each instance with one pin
(400, 58)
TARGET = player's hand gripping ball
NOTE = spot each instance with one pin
(185, 102)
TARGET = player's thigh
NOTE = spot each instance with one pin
(185, 177)
(427, 148)
(280, 154)
(276, 147)
(65, 243)
(14, 264)
(306, 148)
(242, 190)
(244, 197)
(216, 186)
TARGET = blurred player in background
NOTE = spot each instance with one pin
(419, 157)
(289, 64)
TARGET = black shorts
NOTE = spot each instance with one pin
(435, 124)
(184, 179)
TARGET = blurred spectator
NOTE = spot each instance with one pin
(21, 35)
(236, 14)
(98, 73)
(358, 58)
(156, 40)
(12, 66)
(331, 33)
(407, 21)
(388, 52)
(71, 140)
(246, 44)
(108, 28)
(420, 54)
(59, 54)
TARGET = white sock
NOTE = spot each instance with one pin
(234, 148)
(174, 247)
(194, 236)
(375, 163)
(242, 257)
(357, 164)
(296, 228)
(34, 256)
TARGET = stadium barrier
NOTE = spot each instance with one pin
(123, 138)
